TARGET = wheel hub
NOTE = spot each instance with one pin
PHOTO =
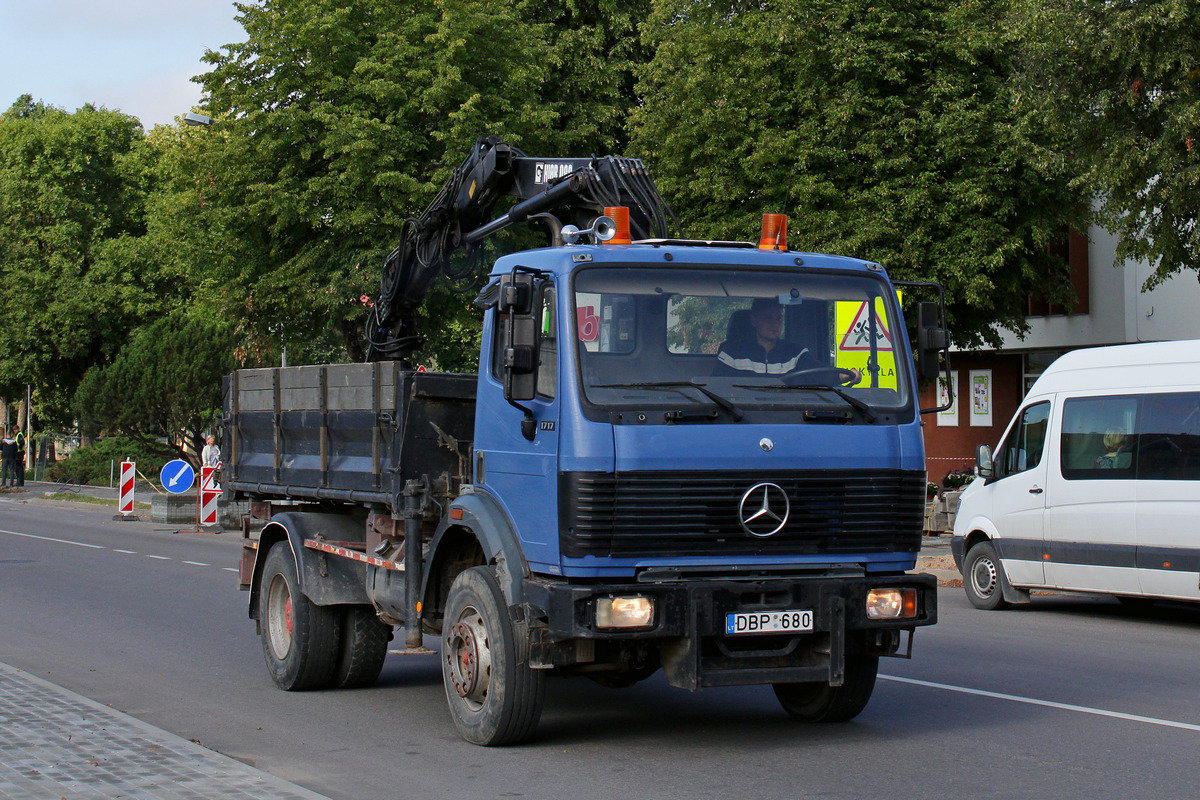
(280, 619)
(469, 658)
(984, 577)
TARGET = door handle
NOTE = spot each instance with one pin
(1036, 490)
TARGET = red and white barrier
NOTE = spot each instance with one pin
(209, 495)
(125, 494)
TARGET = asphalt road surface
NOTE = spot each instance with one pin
(1071, 697)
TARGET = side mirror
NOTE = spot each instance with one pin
(983, 461)
(932, 339)
(519, 360)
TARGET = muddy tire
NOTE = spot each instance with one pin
(300, 639)
(363, 650)
(494, 697)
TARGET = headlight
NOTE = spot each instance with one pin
(892, 603)
(624, 612)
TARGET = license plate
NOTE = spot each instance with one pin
(769, 621)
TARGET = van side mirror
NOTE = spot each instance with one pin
(932, 339)
(983, 461)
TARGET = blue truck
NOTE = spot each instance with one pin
(612, 493)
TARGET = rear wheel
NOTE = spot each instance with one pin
(983, 578)
(364, 648)
(494, 697)
(299, 638)
(820, 702)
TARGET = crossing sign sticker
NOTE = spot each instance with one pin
(857, 334)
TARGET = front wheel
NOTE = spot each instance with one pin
(494, 696)
(983, 578)
(299, 638)
(820, 702)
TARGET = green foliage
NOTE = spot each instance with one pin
(701, 323)
(884, 131)
(338, 120)
(165, 383)
(1123, 80)
(72, 271)
(92, 465)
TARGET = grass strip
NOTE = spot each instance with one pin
(87, 498)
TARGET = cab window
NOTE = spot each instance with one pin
(1023, 448)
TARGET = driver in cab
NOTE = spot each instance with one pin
(761, 350)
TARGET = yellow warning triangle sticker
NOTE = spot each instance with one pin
(858, 335)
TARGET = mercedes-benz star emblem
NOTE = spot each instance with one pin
(764, 509)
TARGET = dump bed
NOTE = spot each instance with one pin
(343, 432)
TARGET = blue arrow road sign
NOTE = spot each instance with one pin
(177, 476)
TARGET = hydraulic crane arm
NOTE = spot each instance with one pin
(555, 190)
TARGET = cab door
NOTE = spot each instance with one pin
(1019, 496)
(519, 471)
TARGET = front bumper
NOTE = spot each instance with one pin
(689, 628)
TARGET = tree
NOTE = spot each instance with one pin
(1122, 79)
(337, 120)
(73, 272)
(165, 382)
(884, 131)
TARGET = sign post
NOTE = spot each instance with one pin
(210, 494)
(125, 492)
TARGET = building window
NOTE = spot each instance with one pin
(1072, 247)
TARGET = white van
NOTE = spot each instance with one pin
(1096, 484)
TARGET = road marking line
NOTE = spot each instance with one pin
(231, 569)
(1033, 701)
(130, 552)
(161, 558)
(51, 539)
(197, 563)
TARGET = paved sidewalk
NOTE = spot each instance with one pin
(55, 743)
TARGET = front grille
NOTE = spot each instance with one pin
(654, 514)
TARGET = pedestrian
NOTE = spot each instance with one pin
(8, 459)
(210, 456)
(21, 439)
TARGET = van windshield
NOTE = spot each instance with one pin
(687, 338)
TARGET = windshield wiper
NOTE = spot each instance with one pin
(733, 410)
(862, 407)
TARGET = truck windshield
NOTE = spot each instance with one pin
(694, 343)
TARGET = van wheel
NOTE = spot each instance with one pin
(820, 702)
(494, 696)
(983, 578)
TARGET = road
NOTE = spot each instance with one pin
(1069, 697)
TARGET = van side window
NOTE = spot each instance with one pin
(1169, 442)
(1099, 437)
(1023, 448)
